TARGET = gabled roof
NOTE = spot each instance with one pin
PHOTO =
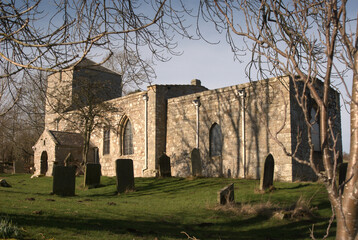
(67, 138)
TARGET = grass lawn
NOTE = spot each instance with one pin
(160, 209)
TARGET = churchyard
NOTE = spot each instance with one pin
(165, 208)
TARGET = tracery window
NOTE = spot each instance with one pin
(216, 141)
(106, 141)
(127, 138)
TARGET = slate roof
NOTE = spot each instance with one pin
(68, 138)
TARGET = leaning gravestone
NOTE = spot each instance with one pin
(93, 174)
(125, 175)
(226, 195)
(164, 166)
(266, 179)
(64, 180)
(195, 162)
(3, 183)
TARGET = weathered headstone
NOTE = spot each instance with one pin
(164, 166)
(18, 167)
(125, 175)
(266, 179)
(342, 172)
(64, 180)
(195, 162)
(226, 195)
(92, 174)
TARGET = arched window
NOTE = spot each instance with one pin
(106, 140)
(127, 138)
(315, 133)
(216, 142)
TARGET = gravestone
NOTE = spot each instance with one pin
(195, 162)
(266, 179)
(3, 183)
(18, 167)
(124, 175)
(64, 180)
(164, 166)
(93, 174)
(226, 195)
(342, 172)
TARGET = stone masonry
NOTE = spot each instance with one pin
(168, 119)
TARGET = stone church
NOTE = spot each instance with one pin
(234, 128)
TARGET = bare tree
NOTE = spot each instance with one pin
(57, 35)
(89, 112)
(23, 123)
(134, 70)
(10, 89)
(35, 39)
(307, 40)
(32, 100)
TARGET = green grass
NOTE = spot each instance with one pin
(159, 208)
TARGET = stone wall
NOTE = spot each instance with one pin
(93, 86)
(157, 110)
(256, 119)
(300, 145)
(71, 89)
(268, 127)
(55, 152)
(58, 97)
(45, 145)
(266, 108)
(133, 108)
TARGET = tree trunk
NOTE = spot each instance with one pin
(85, 153)
(349, 231)
(85, 150)
(86, 140)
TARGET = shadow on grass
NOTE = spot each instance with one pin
(140, 219)
(154, 186)
(168, 185)
(234, 228)
(295, 187)
(20, 192)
